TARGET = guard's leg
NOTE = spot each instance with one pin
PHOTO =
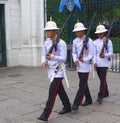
(53, 90)
(102, 71)
(81, 91)
(65, 100)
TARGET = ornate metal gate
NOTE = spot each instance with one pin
(106, 10)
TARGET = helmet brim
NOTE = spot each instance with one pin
(51, 29)
(76, 30)
(97, 32)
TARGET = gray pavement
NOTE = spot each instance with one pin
(24, 91)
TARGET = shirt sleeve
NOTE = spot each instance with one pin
(62, 53)
(109, 52)
(74, 52)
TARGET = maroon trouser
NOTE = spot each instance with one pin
(56, 87)
(102, 73)
(82, 90)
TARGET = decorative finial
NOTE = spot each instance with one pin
(99, 23)
(50, 18)
(78, 21)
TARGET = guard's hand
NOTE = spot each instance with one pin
(48, 56)
(81, 59)
(102, 55)
(86, 52)
(43, 65)
(76, 63)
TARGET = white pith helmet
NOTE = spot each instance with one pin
(100, 29)
(51, 25)
(79, 27)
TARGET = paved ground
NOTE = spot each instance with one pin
(24, 91)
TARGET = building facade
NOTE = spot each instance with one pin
(21, 32)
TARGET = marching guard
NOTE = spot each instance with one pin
(54, 60)
(103, 52)
(82, 65)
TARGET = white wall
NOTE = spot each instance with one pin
(24, 31)
(13, 31)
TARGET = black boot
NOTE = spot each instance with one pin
(63, 111)
(75, 107)
(99, 100)
(87, 103)
(42, 117)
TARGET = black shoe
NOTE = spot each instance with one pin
(75, 108)
(63, 111)
(42, 117)
(86, 103)
(99, 100)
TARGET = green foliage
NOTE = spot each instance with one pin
(116, 12)
(116, 44)
(106, 10)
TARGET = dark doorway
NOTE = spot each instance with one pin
(2, 37)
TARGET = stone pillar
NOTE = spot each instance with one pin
(32, 21)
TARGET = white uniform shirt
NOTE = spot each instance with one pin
(76, 50)
(102, 62)
(59, 58)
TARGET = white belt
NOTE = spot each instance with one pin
(51, 66)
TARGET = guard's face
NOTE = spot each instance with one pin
(51, 33)
(101, 35)
(79, 33)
